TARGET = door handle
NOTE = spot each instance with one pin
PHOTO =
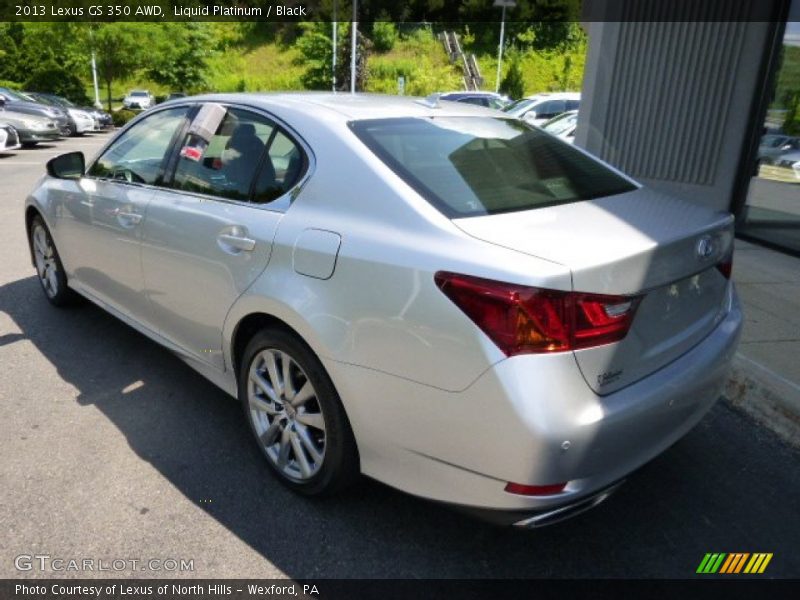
(129, 216)
(230, 242)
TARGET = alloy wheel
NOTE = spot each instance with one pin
(45, 259)
(286, 415)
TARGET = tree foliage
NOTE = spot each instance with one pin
(512, 84)
(180, 56)
(121, 49)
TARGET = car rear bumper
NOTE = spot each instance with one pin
(530, 420)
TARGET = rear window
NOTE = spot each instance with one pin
(470, 166)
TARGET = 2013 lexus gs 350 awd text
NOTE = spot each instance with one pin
(443, 298)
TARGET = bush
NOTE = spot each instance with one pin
(384, 36)
(56, 79)
(122, 116)
(512, 84)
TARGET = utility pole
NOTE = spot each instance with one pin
(353, 37)
(97, 103)
(504, 4)
(335, 32)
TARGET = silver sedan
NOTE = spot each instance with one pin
(442, 298)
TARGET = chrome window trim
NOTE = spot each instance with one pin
(280, 204)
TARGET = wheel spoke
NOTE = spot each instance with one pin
(302, 461)
(308, 444)
(283, 455)
(263, 385)
(262, 405)
(40, 245)
(304, 394)
(52, 280)
(288, 386)
(270, 435)
(315, 420)
(272, 372)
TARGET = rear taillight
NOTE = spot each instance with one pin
(526, 320)
(725, 266)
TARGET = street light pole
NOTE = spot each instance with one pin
(335, 32)
(354, 32)
(504, 4)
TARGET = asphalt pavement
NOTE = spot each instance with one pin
(112, 449)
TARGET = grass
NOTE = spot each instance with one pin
(248, 65)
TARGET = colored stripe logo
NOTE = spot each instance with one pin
(734, 563)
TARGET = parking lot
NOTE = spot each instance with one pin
(112, 449)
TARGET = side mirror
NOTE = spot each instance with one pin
(530, 116)
(67, 166)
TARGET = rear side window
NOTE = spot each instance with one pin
(470, 166)
(248, 153)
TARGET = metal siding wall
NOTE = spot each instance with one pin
(672, 89)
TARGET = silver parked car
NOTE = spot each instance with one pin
(440, 297)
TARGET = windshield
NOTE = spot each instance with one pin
(138, 93)
(14, 95)
(561, 123)
(519, 105)
(469, 166)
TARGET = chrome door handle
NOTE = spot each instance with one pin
(229, 241)
(130, 217)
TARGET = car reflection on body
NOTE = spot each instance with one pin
(422, 292)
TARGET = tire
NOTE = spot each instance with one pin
(49, 269)
(301, 429)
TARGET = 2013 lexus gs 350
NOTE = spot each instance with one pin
(447, 300)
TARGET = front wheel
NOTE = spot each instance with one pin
(296, 415)
(52, 276)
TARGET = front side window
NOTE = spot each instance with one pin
(470, 166)
(245, 148)
(137, 156)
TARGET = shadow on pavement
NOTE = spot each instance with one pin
(726, 487)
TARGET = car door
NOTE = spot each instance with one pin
(99, 229)
(210, 235)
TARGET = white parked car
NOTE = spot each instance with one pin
(138, 99)
(436, 295)
(9, 138)
(563, 126)
(540, 108)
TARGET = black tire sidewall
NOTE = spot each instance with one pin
(341, 465)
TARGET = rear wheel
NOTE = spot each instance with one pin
(51, 273)
(296, 415)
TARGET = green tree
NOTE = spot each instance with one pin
(512, 84)
(317, 54)
(180, 55)
(120, 49)
(54, 79)
(384, 36)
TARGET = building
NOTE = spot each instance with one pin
(702, 100)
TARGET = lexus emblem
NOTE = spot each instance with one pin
(705, 248)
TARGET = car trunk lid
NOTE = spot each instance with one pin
(641, 243)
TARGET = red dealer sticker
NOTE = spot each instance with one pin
(191, 153)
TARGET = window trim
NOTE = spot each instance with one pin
(279, 204)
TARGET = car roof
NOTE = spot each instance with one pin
(348, 107)
(555, 96)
